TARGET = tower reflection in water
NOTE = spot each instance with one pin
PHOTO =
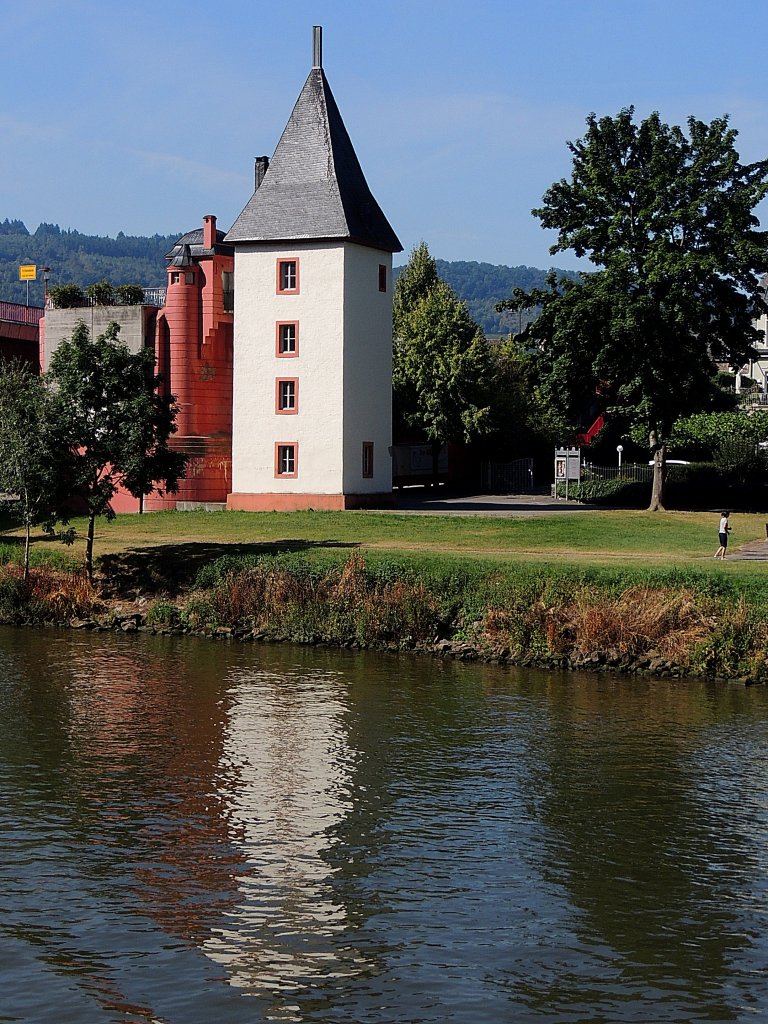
(294, 766)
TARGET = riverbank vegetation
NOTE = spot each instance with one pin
(568, 590)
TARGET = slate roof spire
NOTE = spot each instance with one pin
(314, 187)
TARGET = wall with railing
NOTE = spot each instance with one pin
(17, 313)
(152, 297)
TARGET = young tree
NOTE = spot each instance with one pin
(31, 466)
(668, 218)
(116, 422)
(440, 366)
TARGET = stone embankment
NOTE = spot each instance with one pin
(670, 625)
(651, 663)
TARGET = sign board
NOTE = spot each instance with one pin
(567, 465)
(28, 272)
(567, 468)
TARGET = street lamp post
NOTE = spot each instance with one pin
(619, 449)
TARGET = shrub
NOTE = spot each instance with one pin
(163, 614)
(129, 294)
(13, 595)
(47, 595)
(617, 493)
(101, 293)
(66, 296)
(287, 598)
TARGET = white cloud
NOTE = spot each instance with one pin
(195, 171)
(35, 131)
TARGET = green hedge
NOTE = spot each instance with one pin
(700, 485)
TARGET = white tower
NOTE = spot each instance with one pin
(312, 397)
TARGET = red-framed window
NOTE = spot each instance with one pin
(367, 459)
(288, 277)
(286, 396)
(287, 339)
(287, 459)
(382, 277)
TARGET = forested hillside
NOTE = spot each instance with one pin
(80, 259)
(482, 285)
(76, 258)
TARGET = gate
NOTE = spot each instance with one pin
(508, 477)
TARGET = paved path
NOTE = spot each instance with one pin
(753, 551)
(416, 502)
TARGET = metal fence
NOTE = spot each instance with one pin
(628, 471)
(508, 477)
(754, 398)
(152, 297)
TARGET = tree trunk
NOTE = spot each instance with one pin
(436, 449)
(659, 475)
(89, 549)
(27, 543)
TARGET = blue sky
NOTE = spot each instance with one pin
(142, 117)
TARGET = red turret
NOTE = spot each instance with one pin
(194, 354)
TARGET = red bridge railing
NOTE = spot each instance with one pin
(18, 313)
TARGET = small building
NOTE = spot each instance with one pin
(189, 326)
(752, 378)
(312, 394)
(284, 393)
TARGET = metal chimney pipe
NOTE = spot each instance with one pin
(317, 46)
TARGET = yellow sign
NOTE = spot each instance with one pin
(28, 272)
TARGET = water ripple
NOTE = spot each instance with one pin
(195, 832)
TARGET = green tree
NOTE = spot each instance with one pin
(668, 220)
(523, 422)
(440, 369)
(31, 466)
(116, 422)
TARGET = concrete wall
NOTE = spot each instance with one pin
(136, 326)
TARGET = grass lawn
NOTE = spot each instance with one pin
(597, 538)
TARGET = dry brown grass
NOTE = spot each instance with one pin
(48, 594)
(335, 606)
(641, 619)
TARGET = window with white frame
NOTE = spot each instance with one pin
(287, 275)
(286, 395)
(288, 338)
(286, 459)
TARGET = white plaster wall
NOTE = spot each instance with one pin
(367, 369)
(317, 427)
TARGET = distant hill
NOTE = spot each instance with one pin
(78, 259)
(482, 285)
(134, 259)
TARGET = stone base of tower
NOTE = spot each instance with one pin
(295, 502)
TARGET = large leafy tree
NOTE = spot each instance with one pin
(440, 366)
(524, 424)
(116, 422)
(668, 218)
(31, 465)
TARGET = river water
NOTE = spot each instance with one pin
(201, 832)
